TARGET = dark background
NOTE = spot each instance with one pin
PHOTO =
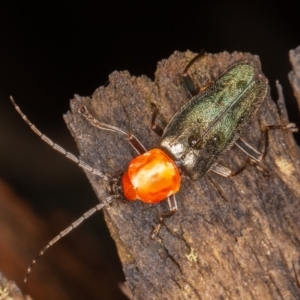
(55, 49)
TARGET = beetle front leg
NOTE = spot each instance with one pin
(133, 141)
(172, 209)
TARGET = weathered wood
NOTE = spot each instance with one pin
(236, 238)
(294, 76)
(10, 291)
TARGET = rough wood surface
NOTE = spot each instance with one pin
(10, 291)
(236, 238)
(294, 76)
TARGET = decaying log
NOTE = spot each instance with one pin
(10, 291)
(232, 238)
(294, 76)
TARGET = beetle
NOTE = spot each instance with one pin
(191, 145)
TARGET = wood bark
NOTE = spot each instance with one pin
(294, 76)
(10, 291)
(232, 238)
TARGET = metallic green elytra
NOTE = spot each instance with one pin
(209, 124)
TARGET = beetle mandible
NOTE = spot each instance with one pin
(192, 143)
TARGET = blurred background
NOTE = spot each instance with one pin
(50, 51)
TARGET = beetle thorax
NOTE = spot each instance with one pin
(151, 177)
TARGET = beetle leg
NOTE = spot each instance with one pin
(255, 156)
(172, 209)
(190, 87)
(133, 141)
(156, 128)
(249, 150)
(187, 78)
(226, 172)
(290, 127)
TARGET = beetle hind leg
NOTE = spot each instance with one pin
(266, 128)
(226, 172)
(255, 156)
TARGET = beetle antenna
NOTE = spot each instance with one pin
(56, 147)
(68, 230)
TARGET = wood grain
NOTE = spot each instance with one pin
(232, 238)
